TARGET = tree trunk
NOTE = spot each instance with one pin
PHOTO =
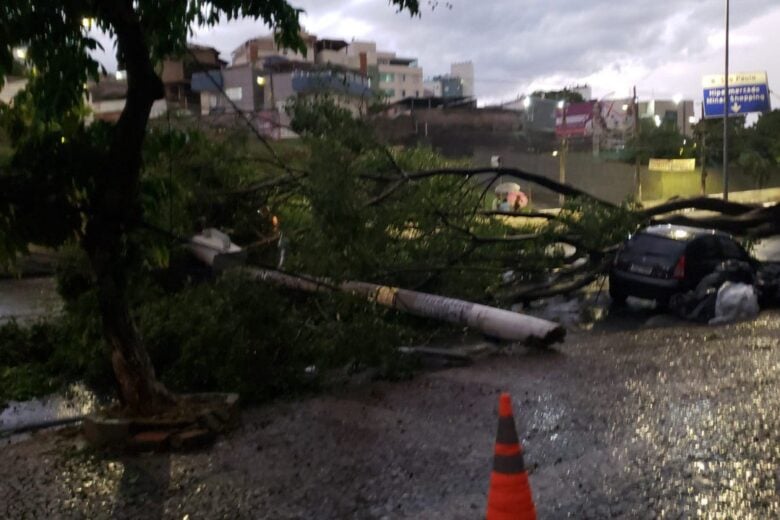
(116, 207)
(139, 391)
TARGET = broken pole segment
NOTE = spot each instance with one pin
(215, 249)
(499, 323)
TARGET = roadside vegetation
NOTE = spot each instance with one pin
(335, 203)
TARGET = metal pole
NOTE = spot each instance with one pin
(562, 158)
(637, 175)
(214, 248)
(726, 115)
(703, 154)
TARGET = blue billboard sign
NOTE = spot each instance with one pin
(747, 93)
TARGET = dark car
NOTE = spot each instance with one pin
(663, 260)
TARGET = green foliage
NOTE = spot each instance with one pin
(712, 131)
(356, 218)
(567, 95)
(232, 335)
(659, 142)
(46, 118)
(598, 226)
(347, 211)
(247, 337)
(39, 359)
(765, 136)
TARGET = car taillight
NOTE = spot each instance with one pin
(679, 269)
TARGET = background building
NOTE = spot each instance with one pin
(459, 83)
(464, 71)
(176, 75)
(399, 78)
(390, 76)
(257, 49)
(678, 113)
(432, 88)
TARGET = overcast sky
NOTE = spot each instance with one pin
(662, 46)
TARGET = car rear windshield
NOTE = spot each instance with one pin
(651, 249)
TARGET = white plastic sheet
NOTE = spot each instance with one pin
(735, 302)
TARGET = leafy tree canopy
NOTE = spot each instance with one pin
(567, 95)
(92, 175)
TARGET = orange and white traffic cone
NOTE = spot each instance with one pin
(509, 497)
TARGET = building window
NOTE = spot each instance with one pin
(212, 101)
(387, 77)
(403, 93)
(234, 93)
(403, 77)
(390, 92)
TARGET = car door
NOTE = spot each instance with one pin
(702, 257)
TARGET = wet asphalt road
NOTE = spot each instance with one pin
(679, 421)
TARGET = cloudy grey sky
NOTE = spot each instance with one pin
(662, 46)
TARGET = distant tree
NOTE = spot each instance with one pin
(659, 142)
(712, 131)
(68, 180)
(567, 95)
(764, 136)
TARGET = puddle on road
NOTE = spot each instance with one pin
(75, 401)
(28, 299)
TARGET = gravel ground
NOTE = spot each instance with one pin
(673, 422)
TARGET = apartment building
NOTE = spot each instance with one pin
(677, 112)
(459, 83)
(399, 78)
(464, 71)
(389, 75)
(176, 74)
(256, 50)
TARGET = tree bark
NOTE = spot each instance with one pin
(115, 208)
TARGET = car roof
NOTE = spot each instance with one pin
(681, 233)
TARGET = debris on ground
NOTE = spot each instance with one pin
(723, 296)
(579, 310)
(194, 423)
(735, 302)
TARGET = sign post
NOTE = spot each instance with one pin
(748, 92)
(734, 94)
(726, 115)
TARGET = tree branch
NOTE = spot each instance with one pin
(758, 223)
(702, 203)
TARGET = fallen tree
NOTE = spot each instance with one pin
(395, 217)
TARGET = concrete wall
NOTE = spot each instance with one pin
(614, 181)
(479, 134)
(453, 132)
(611, 181)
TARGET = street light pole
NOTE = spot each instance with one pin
(726, 115)
(564, 150)
(637, 173)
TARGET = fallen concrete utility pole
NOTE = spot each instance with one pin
(214, 248)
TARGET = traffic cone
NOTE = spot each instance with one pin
(509, 497)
